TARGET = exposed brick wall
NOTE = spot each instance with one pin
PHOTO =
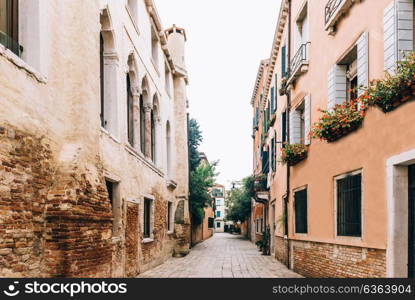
(281, 250)
(25, 178)
(52, 223)
(327, 260)
(131, 240)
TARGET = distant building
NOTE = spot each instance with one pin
(218, 194)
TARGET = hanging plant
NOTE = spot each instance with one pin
(292, 154)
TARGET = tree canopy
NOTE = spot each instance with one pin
(239, 201)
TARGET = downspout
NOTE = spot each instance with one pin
(288, 94)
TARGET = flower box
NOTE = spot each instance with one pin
(293, 154)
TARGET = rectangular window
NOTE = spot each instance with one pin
(154, 48)
(217, 225)
(211, 222)
(114, 198)
(285, 216)
(147, 218)
(284, 61)
(167, 79)
(284, 127)
(300, 207)
(218, 202)
(218, 214)
(349, 205)
(9, 25)
(170, 216)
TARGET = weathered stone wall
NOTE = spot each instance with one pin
(312, 259)
(131, 240)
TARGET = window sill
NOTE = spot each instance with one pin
(21, 64)
(108, 134)
(171, 232)
(147, 241)
(143, 159)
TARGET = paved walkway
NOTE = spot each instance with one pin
(222, 256)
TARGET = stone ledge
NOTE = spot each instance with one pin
(21, 64)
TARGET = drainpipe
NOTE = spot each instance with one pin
(288, 94)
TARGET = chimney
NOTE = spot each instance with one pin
(176, 40)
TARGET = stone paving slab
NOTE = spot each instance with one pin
(222, 256)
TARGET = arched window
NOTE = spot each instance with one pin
(168, 148)
(130, 113)
(153, 136)
(109, 74)
(142, 125)
(102, 78)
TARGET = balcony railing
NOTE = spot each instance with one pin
(331, 9)
(10, 44)
(299, 59)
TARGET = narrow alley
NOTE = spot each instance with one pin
(222, 256)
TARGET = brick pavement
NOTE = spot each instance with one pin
(222, 256)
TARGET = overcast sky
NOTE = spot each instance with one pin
(226, 41)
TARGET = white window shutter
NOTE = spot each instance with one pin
(337, 86)
(363, 61)
(295, 128)
(390, 40)
(307, 119)
(405, 26)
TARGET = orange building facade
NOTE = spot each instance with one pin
(346, 208)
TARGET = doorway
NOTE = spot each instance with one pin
(273, 227)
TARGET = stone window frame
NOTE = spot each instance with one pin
(117, 210)
(170, 216)
(299, 189)
(397, 209)
(351, 239)
(151, 238)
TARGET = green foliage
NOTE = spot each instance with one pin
(195, 138)
(239, 201)
(201, 179)
(263, 244)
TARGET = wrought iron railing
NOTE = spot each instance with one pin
(331, 8)
(300, 57)
(9, 43)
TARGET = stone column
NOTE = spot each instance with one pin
(147, 109)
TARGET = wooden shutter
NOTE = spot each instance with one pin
(405, 27)
(363, 61)
(337, 86)
(284, 61)
(307, 119)
(272, 99)
(295, 127)
(389, 31)
(276, 93)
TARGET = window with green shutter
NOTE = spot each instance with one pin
(272, 99)
(284, 61)
(275, 94)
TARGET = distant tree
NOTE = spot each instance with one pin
(195, 139)
(201, 179)
(239, 201)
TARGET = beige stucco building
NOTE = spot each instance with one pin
(93, 135)
(347, 209)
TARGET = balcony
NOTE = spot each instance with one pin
(299, 63)
(334, 11)
(10, 44)
(261, 188)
